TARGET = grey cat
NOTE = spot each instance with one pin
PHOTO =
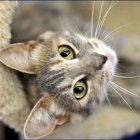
(71, 75)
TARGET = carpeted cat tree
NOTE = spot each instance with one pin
(13, 103)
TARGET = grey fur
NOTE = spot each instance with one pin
(90, 64)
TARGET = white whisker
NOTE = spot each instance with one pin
(107, 97)
(58, 99)
(122, 98)
(111, 93)
(127, 77)
(98, 23)
(68, 25)
(124, 73)
(53, 97)
(105, 16)
(114, 31)
(76, 27)
(124, 90)
(92, 15)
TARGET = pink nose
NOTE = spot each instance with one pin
(109, 56)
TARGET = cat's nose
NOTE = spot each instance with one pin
(104, 59)
(101, 60)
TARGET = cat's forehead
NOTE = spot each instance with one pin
(77, 40)
(81, 42)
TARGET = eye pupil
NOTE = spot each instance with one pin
(78, 89)
(65, 53)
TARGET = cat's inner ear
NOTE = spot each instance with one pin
(21, 56)
(43, 118)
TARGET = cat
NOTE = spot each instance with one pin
(71, 74)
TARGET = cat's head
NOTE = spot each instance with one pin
(76, 68)
(73, 71)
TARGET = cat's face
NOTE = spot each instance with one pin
(75, 69)
(72, 71)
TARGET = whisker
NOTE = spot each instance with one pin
(124, 90)
(87, 30)
(63, 105)
(69, 97)
(111, 93)
(105, 16)
(107, 97)
(76, 27)
(115, 31)
(124, 73)
(98, 23)
(68, 25)
(122, 98)
(67, 100)
(58, 98)
(60, 19)
(127, 77)
(92, 15)
(54, 97)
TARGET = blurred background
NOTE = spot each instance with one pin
(118, 121)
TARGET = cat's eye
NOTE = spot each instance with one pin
(66, 52)
(80, 89)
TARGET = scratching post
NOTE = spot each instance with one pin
(13, 104)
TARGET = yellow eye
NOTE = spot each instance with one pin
(80, 89)
(66, 52)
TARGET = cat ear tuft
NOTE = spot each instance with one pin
(21, 56)
(45, 36)
(42, 120)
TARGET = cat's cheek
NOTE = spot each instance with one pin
(109, 70)
(83, 101)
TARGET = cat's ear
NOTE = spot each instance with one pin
(21, 56)
(43, 119)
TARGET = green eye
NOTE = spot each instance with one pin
(66, 52)
(80, 89)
